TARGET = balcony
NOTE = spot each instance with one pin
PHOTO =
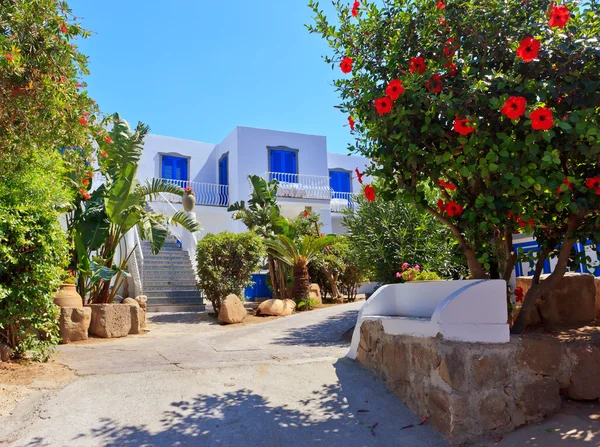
(341, 201)
(301, 186)
(207, 194)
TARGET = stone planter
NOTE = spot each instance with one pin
(74, 323)
(67, 296)
(188, 201)
(116, 320)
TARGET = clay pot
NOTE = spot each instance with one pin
(67, 296)
(188, 200)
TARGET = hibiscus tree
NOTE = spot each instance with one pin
(500, 99)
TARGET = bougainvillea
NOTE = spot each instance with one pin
(516, 114)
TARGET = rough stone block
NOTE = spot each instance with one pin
(5, 352)
(585, 376)
(232, 310)
(493, 410)
(539, 399)
(453, 371)
(315, 294)
(395, 360)
(423, 358)
(138, 319)
(448, 414)
(110, 320)
(541, 355)
(74, 323)
(278, 308)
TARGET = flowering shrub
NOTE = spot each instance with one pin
(188, 191)
(500, 100)
(415, 273)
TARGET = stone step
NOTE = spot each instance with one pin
(179, 281)
(169, 288)
(172, 294)
(171, 308)
(177, 255)
(179, 263)
(165, 275)
(162, 301)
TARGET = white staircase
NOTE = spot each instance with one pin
(169, 280)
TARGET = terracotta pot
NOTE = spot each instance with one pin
(188, 200)
(67, 296)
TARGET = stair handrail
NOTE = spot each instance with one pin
(136, 261)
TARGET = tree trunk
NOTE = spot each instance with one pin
(272, 275)
(475, 267)
(332, 280)
(301, 289)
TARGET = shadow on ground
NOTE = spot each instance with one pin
(181, 318)
(347, 413)
(329, 332)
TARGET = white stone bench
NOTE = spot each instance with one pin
(469, 310)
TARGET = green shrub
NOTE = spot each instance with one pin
(226, 262)
(33, 253)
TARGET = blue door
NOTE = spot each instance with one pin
(284, 162)
(340, 183)
(260, 289)
(174, 168)
(223, 181)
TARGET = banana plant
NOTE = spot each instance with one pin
(114, 208)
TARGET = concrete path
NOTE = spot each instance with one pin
(193, 383)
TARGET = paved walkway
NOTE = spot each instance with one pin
(190, 382)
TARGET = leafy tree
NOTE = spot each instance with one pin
(99, 225)
(298, 256)
(495, 101)
(226, 262)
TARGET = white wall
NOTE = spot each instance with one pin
(349, 163)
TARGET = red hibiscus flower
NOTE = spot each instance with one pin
(529, 49)
(359, 176)
(559, 16)
(444, 184)
(306, 214)
(85, 182)
(514, 107)
(442, 21)
(519, 294)
(9, 57)
(84, 194)
(346, 65)
(452, 68)
(441, 206)
(108, 139)
(565, 182)
(394, 89)
(383, 105)
(440, 4)
(436, 84)
(63, 28)
(351, 123)
(541, 119)
(83, 121)
(369, 193)
(593, 183)
(454, 209)
(104, 154)
(417, 64)
(523, 224)
(463, 126)
(355, 9)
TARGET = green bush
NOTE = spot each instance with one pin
(33, 253)
(389, 233)
(226, 262)
(353, 272)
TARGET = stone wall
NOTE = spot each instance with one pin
(473, 391)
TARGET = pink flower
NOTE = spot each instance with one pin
(398, 275)
(417, 268)
(404, 266)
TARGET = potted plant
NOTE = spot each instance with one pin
(188, 199)
(67, 295)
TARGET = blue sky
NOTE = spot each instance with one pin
(197, 68)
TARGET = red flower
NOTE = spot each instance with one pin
(89, 174)
(519, 294)
(359, 176)
(441, 206)
(351, 123)
(9, 57)
(565, 182)
(83, 121)
(593, 183)
(559, 16)
(108, 139)
(355, 9)
(436, 84)
(63, 28)
(417, 64)
(85, 182)
(529, 49)
(104, 154)
(464, 126)
(306, 214)
(394, 89)
(523, 224)
(452, 69)
(84, 194)
(514, 107)
(440, 4)
(383, 105)
(541, 119)
(454, 209)
(370, 193)
(346, 65)
(442, 21)
(444, 184)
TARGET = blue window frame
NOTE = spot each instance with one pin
(283, 162)
(174, 168)
(224, 180)
(340, 183)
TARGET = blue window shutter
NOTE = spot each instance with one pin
(339, 181)
(174, 168)
(284, 161)
(223, 174)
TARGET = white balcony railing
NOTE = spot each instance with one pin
(342, 200)
(301, 186)
(209, 194)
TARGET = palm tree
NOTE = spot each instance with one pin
(298, 257)
(100, 225)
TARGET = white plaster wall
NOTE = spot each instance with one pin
(336, 224)
(349, 163)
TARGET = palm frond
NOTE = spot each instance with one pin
(186, 221)
(154, 187)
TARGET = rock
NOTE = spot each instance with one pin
(585, 376)
(541, 355)
(130, 301)
(395, 360)
(74, 323)
(315, 294)
(572, 302)
(423, 359)
(539, 399)
(232, 310)
(448, 414)
(453, 371)
(142, 300)
(278, 308)
(5, 352)
(138, 319)
(493, 412)
(490, 371)
(110, 320)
